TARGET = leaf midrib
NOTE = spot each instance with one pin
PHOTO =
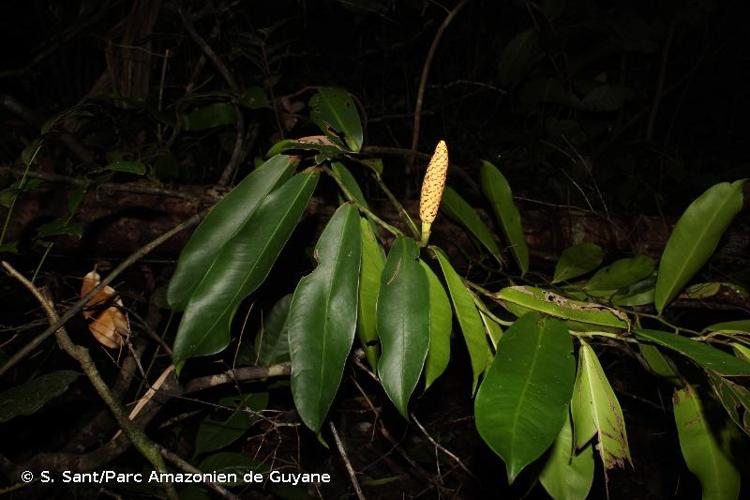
(335, 268)
(525, 387)
(691, 251)
(268, 241)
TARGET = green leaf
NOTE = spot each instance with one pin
(497, 190)
(703, 455)
(237, 417)
(742, 325)
(523, 401)
(741, 351)
(735, 399)
(323, 317)
(441, 320)
(347, 179)
(468, 318)
(222, 223)
(60, 227)
(373, 261)
(272, 341)
(457, 209)
(695, 238)
(212, 115)
(578, 260)
(657, 362)
(403, 322)
(701, 291)
(494, 331)
(568, 475)
(29, 397)
(638, 294)
(521, 299)
(333, 110)
(129, 167)
(622, 273)
(596, 412)
(239, 269)
(703, 354)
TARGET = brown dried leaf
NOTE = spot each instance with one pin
(110, 326)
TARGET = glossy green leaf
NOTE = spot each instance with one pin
(735, 399)
(441, 320)
(578, 260)
(657, 362)
(373, 261)
(498, 192)
(212, 115)
(471, 324)
(455, 207)
(323, 317)
(521, 299)
(494, 331)
(239, 269)
(742, 325)
(701, 291)
(596, 412)
(31, 396)
(348, 180)
(236, 416)
(523, 401)
(703, 354)
(703, 455)
(333, 110)
(272, 340)
(223, 222)
(568, 475)
(622, 273)
(403, 322)
(129, 167)
(741, 351)
(695, 238)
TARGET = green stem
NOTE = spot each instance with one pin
(368, 213)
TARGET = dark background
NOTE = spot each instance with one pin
(510, 82)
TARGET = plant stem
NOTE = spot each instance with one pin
(370, 215)
(142, 443)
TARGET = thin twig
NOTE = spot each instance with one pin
(426, 72)
(143, 444)
(128, 187)
(238, 151)
(370, 215)
(80, 304)
(238, 374)
(440, 447)
(209, 52)
(347, 463)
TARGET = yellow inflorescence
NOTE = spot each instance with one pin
(433, 184)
